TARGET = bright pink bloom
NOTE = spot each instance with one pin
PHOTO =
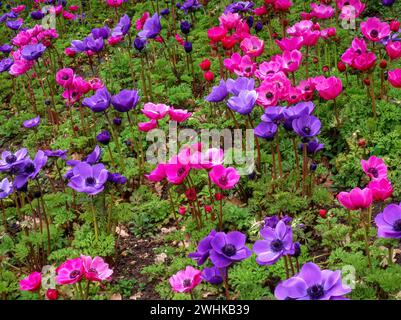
(394, 77)
(268, 95)
(299, 28)
(179, 39)
(364, 61)
(73, 8)
(356, 198)
(310, 38)
(260, 11)
(81, 85)
(229, 20)
(267, 69)
(155, 111)
(114, 3)
(185, 280)
(68, 15)
(216, 33)
(182, 210)
(293, 95)
(241, 31)
(95, 84)
(289, 44)
(140, 22)
(381, 189)
(113, 41)
(179, 115)
(18, 9)
(158, 174)
(393, 49)
(350, 9)
(147, 126)
(212, 157)
(329, 88)
(321, 11)
(327, 33)
(70, 272)
(375, 30)
(252, 46)
(224, 178)
(374, 167)
(242, 66)
(290, 60)
(70, 52)
(176, 171)
(33, 282)
(65, 77)
(282, 5)
(51, 294)
(96, 269)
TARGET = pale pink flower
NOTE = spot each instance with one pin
(224, 178)
(96, 269)
(252, 46)
(155, 111)
(185, 280)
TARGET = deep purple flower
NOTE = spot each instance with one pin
(117, 121)
(88, 179)
(94, 156)
(294, 112)
(99, 102)
(273, 114)
(258, 26)
(297, 250)
(273, 220)
(6, 48)
(242, 83)
(249, 21)
(9, 160)
(151, 28)
(5, 64)
(203, 250)
(31, 122)
(62, 154)
(79, 45)
(277, 243)
(29, 169)
(388, 3)
(219, 93)
(15, 24)
(116, 178)
(37, 15)
(389, 222)
(307, 126)
(125, 100)
(313, 146)
(244, 102)
(139, 43)
(228, 248)
(95, 45)
(214, 275)
(5, 188)
(190, 5)
(103, 32)
(312, 284)
(239, 6)
(188, 47)
(266, 130)
(103, 137)
(165, 12)
(185, 27)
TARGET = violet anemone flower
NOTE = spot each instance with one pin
(242, 83)
(95, 45)
(311, 283)
(8, 160)
(244, 102)
(31, 122)
(274, 220)
(228, 249)
(62, 154)
(122, 27)
(219, 93)
(5, 188)
(125, 100)
(203, 250)
(313, 146)
(88, 179)
(266, 130)
(307, 126)
(33, 52)
(389, 222)
(277, 243)
(29, 169)
(5, 64)
(151, 28)
(99, 102)
(214, 275)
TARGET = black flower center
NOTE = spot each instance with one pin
(276, 245)
(186, 283)
(374, 33)
(1, 190)
(223, 180)
(90, 181)
(65, 77)
(30, 168)
(373, 172)
(229, 250)
(358, 51)
(11, 159)
(315, 292)
(306, 130)
(269, 95)
(74, 274)
(397, 225)
(180, 171)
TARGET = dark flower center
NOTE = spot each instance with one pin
(93, 270)
(358, 51)
(74, 274)
(269, 95)
(90, 181)
(11, 159)
(1, 190)
(229, 250)
(306, 130)
(374, 33)
(315, 292)
(65, 77)
(307, 88)
(180, 171)
(293, 97)
(223, 180)
(373, 172)
(30, 168)
(186, 283)
(397, 225)
(276, 245)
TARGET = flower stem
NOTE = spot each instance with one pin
(94, 218)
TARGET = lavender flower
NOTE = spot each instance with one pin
(151, 28)
(31, 122)
(88, 179)
(9, 160)
(29, 169)
(203, 249)
(244, 102)
(125, 100)
(307, 126)
(214, 275)
(389, 222)
(99, 102)
(219, 93)
(5, 188)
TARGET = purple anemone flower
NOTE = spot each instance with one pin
(151, 28)
(9, 160)
(29, 169)
(311, 283)
(33, 52)
(125, 100)
(103, 137)
(62, 154)
(99, 102)
(203, 249)
(266, 130)
(6, 48)
(228, 249)
(277, 243)
(214, 275)
(30, 123)
(5, 64)
(242, 83)
(273, 114)
(37, 15)
(79, 45)
(5, 188)
(294, 112)
(389, 222)
(274, 220)
(312, 147)
(219, 93)
(122, 27)
(139, 44)
(116, 178)
(15, 24)
(103, 32)
(388, 3)
(95, 45)
(190, 5)
(307, 126)
(88, 179)
(94, 156)
(244, 102)
(239, 6)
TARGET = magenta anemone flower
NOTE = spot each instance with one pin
(374, 167)
(65, 77)
(224, 178)
(381, 189)
(375, 30)
(252, 46)
(329, 88)
(389, 222)
(147, 126)
(228, 248)
(158, 174)
(176, 170)
(185, 280)
(32, 282)
(88, 179)
(311, 283)
(70, 272)
(179, 115)
(356, 199)
(394, 77)
(96, 269)
(151, 28)
(155, 111)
